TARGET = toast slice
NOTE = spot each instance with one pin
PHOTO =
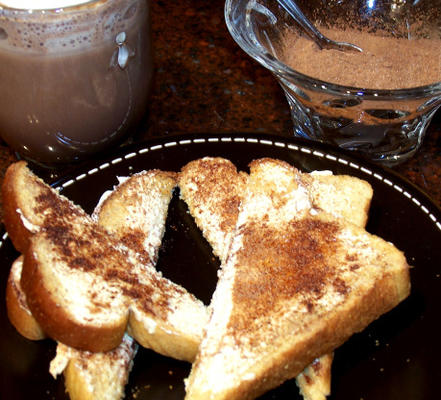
(84, 287)
(136, 209)
(296, 284)
(28, 203)
(135, 212)
(90, 376)
(213, 190)
(17, 308)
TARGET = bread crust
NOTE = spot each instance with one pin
(165, 340)
(56, 322)
(16, 305)
(12, 220)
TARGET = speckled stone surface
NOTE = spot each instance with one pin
(205, 83)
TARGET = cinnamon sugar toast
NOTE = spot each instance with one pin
(135, 211)
(147, 232)
(86, 288)
(90, 376)
(213, 189)
(296, 284)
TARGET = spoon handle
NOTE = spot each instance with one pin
(322, 41)
(294, 11)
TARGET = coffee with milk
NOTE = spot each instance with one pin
(74, 78)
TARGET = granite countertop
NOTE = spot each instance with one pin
(204, 83)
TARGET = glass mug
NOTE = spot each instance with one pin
(73, 80)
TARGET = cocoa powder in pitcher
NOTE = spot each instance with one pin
(385, 63)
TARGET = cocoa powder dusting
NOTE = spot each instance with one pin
(135, 240)
(276, 264)
(87, 247)
(317, 366)
(385, 63)
(51, 205)
(223, 184)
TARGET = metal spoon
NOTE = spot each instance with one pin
(322, 41)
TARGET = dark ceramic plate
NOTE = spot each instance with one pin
(396, 357)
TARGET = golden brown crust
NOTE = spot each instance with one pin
(167, 343)
(17, 232)
(56, 321)
(17, 309)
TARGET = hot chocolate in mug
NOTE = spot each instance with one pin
(74, 78)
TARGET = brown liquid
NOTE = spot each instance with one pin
(64, 96)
